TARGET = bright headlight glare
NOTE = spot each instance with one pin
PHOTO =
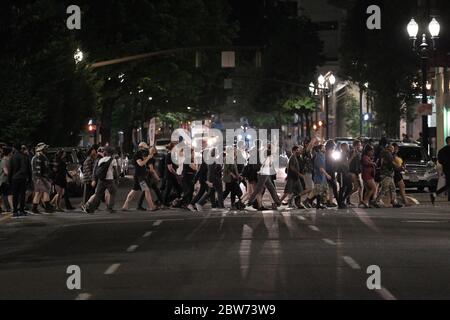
(336, 155)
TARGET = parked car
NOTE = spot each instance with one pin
(75, 158)
(420, 171)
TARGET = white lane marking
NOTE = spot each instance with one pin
(147, 234)
(364, 217)
(351, 262)
(112, 269)
(157, 223)
(330, 242)
(385, 294)
(314, 228)
(301, 218)
(132, 248)
(83, 296)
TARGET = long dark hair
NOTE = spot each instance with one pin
(368, 148)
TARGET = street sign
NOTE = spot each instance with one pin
(152, 132)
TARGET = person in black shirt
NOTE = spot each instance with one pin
(171, 177)
(345, 179)
(140, 161)
(189, 172)
(18, 176)
(214, 181)
(59, 175)
(153, 180)
(444, 160)
(200, 177)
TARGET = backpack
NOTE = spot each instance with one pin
(102, 170)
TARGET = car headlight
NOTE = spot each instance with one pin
(336, 155)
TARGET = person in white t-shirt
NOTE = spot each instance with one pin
(265, 181)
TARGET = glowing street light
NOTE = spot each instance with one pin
(78, 56)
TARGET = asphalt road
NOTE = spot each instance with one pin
(221, 254)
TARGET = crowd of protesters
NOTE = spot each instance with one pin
(318, 175)
(31, 182)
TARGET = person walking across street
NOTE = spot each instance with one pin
(444, 160)
(293, 186)
(5, 187)
(88, 174)
(141, 174)
(265, 181)
(214, 181)
(107, 174)
(387, 184)
(18, 177)
(40, 166)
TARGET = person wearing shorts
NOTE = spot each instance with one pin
(41, 179)
(140, 161)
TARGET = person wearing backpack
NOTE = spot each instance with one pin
(107, 174)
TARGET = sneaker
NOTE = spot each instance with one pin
(112, 211)
(198, 207)
(191, 208)
(342, 207)
(397, 205)
(141, 209)
(84, 209)
(331, 205)
(307, 204)
(23, 213)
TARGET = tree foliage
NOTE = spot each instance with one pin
(381, 58)
(44, 96)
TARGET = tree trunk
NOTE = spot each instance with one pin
(308, 125)
(302, 124)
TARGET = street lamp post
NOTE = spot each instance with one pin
(423, 52)
(326, 85)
